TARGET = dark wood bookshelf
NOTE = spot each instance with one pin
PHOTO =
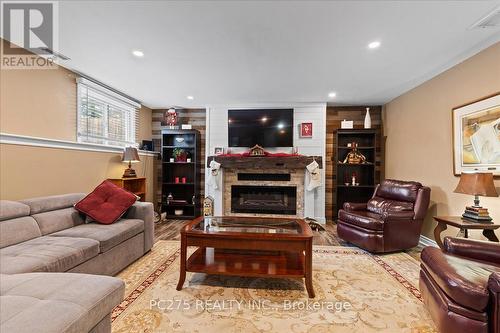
(365, 172)
(189, 141)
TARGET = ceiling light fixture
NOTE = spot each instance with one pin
(374, 44)
(190, 97)
(264, 119)
(138, 53)
(281, 125)
(332, 94)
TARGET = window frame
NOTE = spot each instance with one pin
(131, 135)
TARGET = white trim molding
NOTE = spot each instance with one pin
(22, 140)
(426, 241)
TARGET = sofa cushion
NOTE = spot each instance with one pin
(108, 236)
(12, 209)
(45, 204)
(47, 254)
(463, 280)
(18, 230)
(106, 203)
(398, 190)
(380, 205)
(54, 302)
(59, 219)
(363, 219)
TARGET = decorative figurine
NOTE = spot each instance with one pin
(171, 118)
(170, 197)
(354, 156)
(257, 151)
(208, 206)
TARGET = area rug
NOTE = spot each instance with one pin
(355, 292)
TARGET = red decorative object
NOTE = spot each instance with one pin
(306, 130)
(177, 180)
(184, 180)
(171, 117)
(106, 203)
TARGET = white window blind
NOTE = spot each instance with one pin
(105, 117)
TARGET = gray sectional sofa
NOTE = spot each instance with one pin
(47, 253)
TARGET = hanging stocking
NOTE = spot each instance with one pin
(314, 175)
(213, 178)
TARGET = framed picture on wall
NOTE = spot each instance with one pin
(306, 130)
(476, 136)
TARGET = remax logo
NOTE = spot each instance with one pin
(29, 25)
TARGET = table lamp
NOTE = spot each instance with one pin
(130, 155)
(477, 184)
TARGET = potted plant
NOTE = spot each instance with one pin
(179, 154)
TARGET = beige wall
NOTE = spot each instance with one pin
(419, 133)
(42, 103)
(27, 171)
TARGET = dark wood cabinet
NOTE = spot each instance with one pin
(181, 173)
(365, 173)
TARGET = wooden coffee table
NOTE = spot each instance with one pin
(464, 225)
(253, 247)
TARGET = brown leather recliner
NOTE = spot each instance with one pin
(390, 221)
(460, 285)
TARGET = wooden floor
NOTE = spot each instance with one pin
(170, 230)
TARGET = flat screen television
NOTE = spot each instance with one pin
(263, 127)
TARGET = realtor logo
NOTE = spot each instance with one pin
(30, 33)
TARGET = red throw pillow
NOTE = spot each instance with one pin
(106, 203)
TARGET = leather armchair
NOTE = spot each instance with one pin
(460, 285)
(390, 221)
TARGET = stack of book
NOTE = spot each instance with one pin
(476, 213)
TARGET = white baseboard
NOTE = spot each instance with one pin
(426, 241)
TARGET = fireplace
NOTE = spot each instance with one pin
(258, 199)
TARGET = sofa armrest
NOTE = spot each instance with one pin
(473, 249)
(144, 211)
(494, 282)
(398, 215)
(353, 206)
(494, 288)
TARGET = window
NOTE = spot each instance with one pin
(106, 117)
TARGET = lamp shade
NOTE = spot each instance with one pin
(477, 184)
(130, 154)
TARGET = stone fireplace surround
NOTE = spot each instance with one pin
(291, 168)
(231, 179)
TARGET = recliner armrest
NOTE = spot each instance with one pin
(144, 211)
(473, 249)
(494, 282)
(353, 206)
(398, 215)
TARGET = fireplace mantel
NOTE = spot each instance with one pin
(268, 162)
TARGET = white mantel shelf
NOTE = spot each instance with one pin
(266, 162)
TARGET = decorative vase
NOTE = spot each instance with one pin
(368, 119)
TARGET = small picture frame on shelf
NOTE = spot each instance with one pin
(218, 151)
(306, 130)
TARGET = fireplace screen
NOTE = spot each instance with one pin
(280, 200)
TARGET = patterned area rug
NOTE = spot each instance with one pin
(355, 292)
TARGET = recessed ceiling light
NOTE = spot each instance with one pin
(281, 125)
(190, 97)
(264, 119)
(374, 44)
(332, 94)
(138, 53)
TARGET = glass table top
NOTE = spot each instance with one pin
(248, 225)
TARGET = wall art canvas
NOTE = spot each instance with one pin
(476, 136)
(306, 130)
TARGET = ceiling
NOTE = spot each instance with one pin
(237, 52)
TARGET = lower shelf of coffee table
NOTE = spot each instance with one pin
(246, 263)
